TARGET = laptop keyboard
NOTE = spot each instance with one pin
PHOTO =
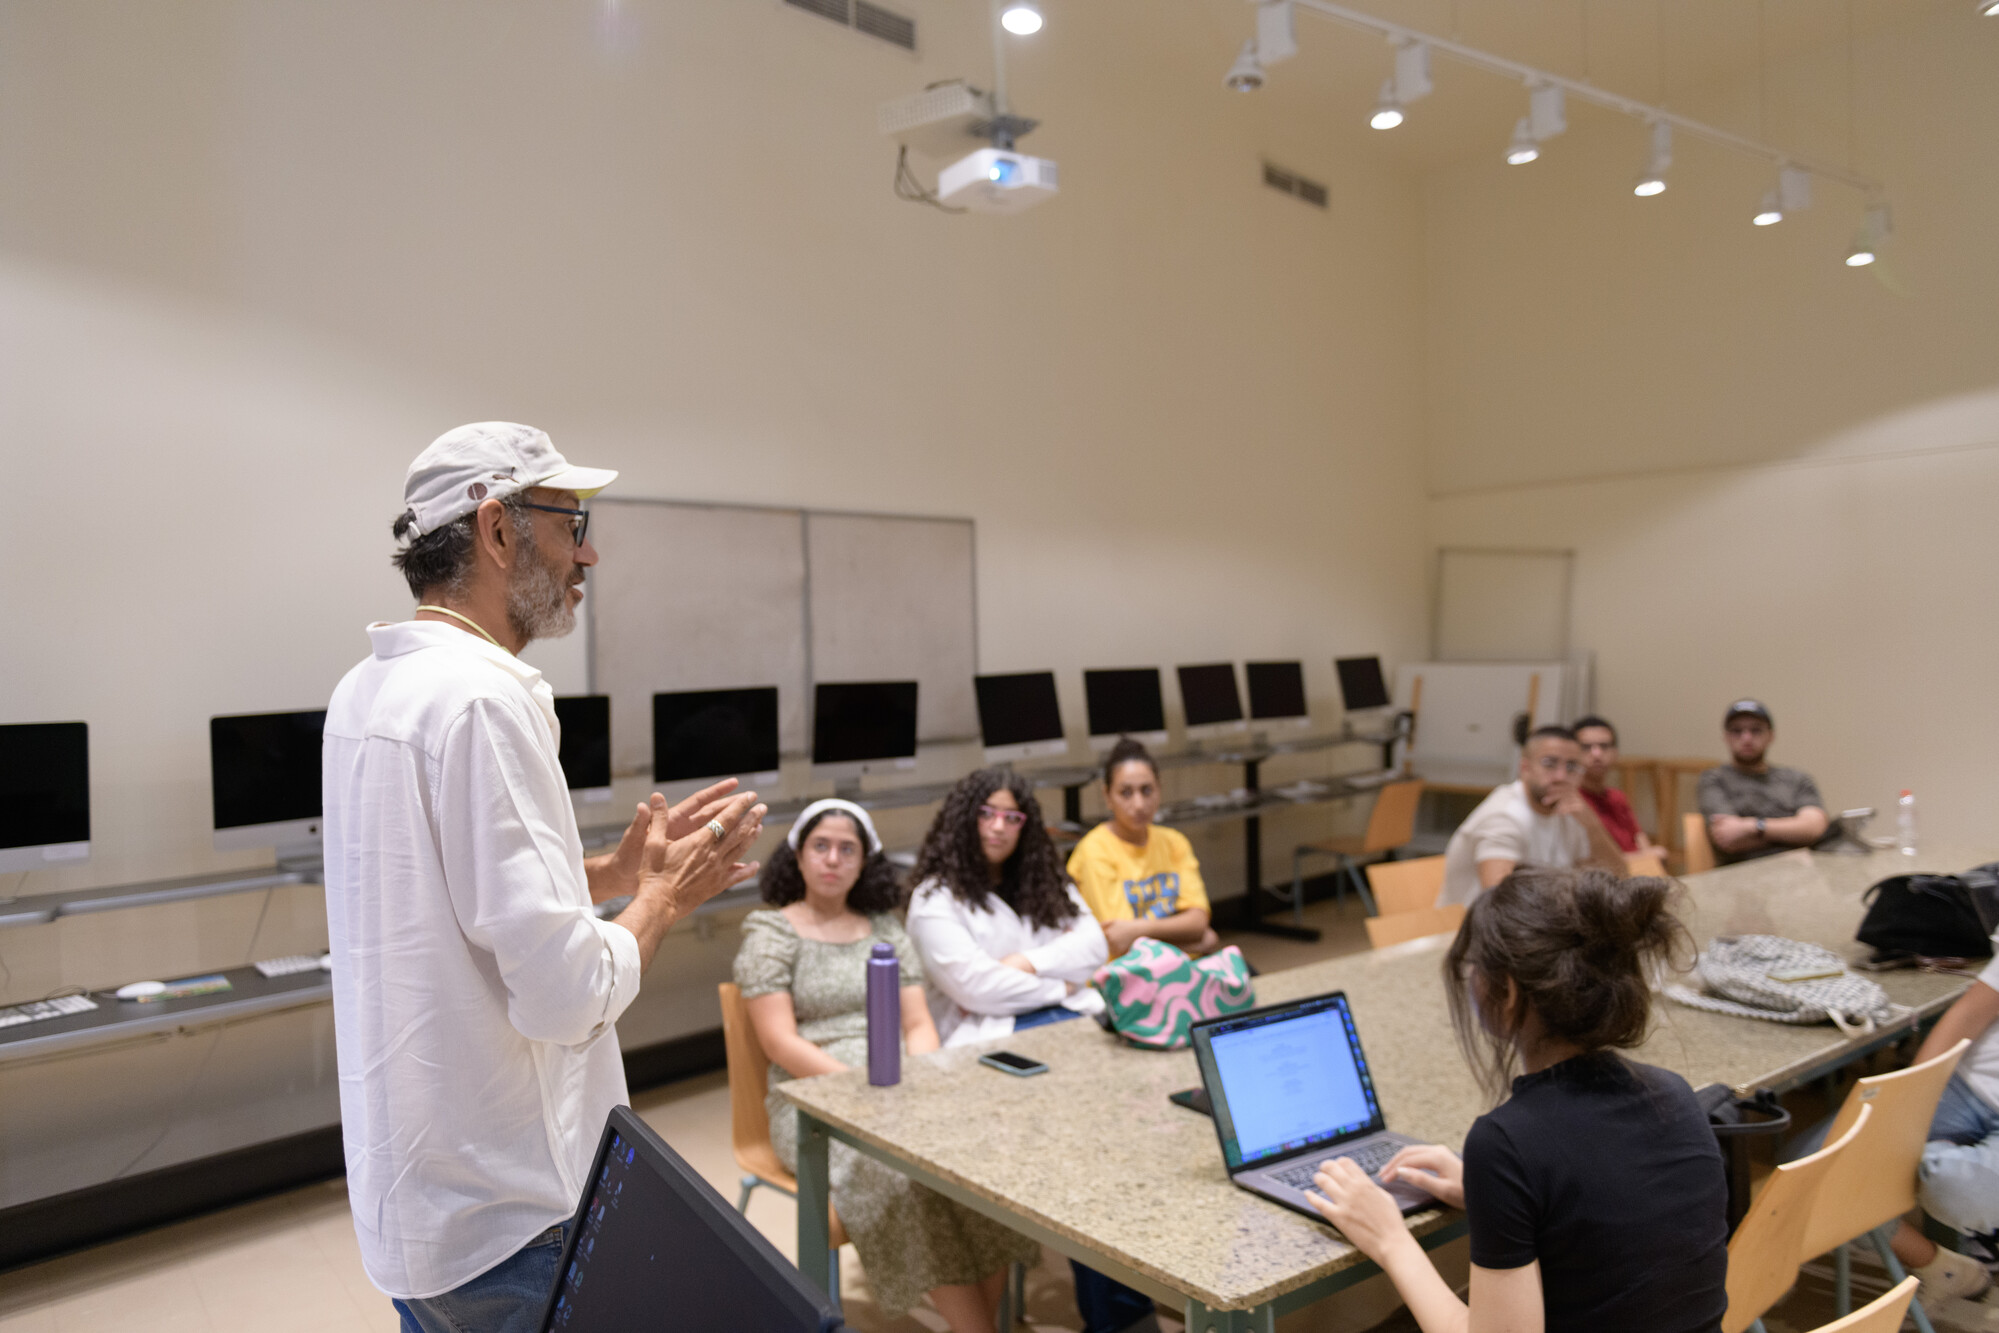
(1369, 1158)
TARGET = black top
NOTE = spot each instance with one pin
(1606, 1171)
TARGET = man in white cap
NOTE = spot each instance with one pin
(474, 988)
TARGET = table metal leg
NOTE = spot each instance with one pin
(1200, 1319)
(815, 1190)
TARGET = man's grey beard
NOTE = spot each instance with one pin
(538, 605)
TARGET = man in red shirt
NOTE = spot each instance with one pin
(1599, 741)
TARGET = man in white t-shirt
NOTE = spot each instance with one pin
(1541, 819)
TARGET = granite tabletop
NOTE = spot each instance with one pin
(1093, 1151)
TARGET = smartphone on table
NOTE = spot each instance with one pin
(1007, 1062)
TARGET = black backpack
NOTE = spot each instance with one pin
(1933, 916)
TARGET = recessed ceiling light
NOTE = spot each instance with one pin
(1022, 18)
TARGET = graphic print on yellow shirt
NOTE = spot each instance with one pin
(1122, 882)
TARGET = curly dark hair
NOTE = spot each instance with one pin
(879, 888)
(1032, 882)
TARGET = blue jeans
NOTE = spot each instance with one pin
(1107, 1306)
(1036, 1018)
(1958, 1182)
(509, 1297)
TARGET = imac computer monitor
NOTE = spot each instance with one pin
(707, 735)
(652, 1245)
(1124, 702)
(44, 795)
(1361, 683)
(264, 772)
(1277, 693)
(1019, 716)
(1209, 696)
(586, 744)
(863, 727)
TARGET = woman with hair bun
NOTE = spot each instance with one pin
(1595, 1189)
(1006, 942)
(1140, 880)
(803, 973)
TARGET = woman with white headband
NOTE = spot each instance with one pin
(803, 970)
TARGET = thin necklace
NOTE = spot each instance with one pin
(447, 611)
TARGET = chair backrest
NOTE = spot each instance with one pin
(1393, 821)
(1644, 863)
(1876, 1180)
(1883, 1314)
(749, 1073)
(1764, 1254)
(1383, 931)
(1700, 852)
(1405, 886)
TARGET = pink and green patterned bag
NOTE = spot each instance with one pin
(1155, 994)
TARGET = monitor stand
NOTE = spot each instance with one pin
(848, 789)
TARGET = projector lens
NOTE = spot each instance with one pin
(1003, 171)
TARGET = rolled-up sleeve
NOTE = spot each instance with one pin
(518, 888)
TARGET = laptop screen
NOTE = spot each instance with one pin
(654, 1245)
(1287, 1079)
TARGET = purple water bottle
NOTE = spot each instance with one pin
(884, 1017)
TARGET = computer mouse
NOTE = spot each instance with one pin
(139, 990)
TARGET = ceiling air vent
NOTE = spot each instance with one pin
(1277, 178)
(861, 16)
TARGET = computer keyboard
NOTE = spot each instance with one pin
(36, 1010)
(1370, 1159)
(289, 965)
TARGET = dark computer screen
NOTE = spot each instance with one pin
(586, 739)
(44, 784)
(1276, 689)
(1361, 685)
(1124, 700)
(264, 767)
(862, 720)
(1209, 694)
(1018, 710)
(654, 1246)
(714, 733)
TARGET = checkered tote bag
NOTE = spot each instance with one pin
(1739, 975)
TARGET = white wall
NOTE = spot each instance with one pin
(253, 256)
(1778, 473)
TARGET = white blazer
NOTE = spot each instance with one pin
(972, 996)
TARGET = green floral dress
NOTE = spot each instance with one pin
(910, 1238)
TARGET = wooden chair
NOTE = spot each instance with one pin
(1699, 851)
(1883, 1314)
(1875, 1182)
(1644, 863)
(1390, 825)
(1764, 1253)
(1396, 927)
(1406, 886)
(749, 1124)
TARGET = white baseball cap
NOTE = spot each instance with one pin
(489, 460)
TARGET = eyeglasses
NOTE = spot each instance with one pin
(1547, 763)
(579, 521)
(833, 851)
(1010, 818)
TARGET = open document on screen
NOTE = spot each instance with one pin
(1291, 1082)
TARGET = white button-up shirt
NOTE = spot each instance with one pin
(973, 996)
(474, 990)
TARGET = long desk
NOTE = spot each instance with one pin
(1092, 1160)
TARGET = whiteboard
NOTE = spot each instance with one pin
(1465, 719)
(689, 596)
(892, 598)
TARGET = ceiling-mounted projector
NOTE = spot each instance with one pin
(996, 180)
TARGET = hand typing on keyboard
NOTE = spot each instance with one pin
(1367, 1214)
(1430, 1167)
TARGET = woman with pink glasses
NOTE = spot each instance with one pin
(1006, 942)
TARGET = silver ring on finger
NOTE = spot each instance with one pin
(715, 827)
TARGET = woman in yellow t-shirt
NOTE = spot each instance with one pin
(1138, 880)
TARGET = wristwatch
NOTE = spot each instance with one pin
(1761, 824)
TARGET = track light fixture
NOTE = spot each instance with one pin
(1770, 212)
(1022, 18)
(1653, 180)
(1387, 110)
(1791, 194)
(1523, 149)
(1276, 31)
(1246, 75)
(1873, 230)
(1988, 9)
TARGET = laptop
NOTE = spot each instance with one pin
(1289, 1089)
(654, 1246)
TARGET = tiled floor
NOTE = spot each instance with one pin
(290, 1262)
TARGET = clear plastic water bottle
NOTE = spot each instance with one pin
(1905, 824)
(884, 1016)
